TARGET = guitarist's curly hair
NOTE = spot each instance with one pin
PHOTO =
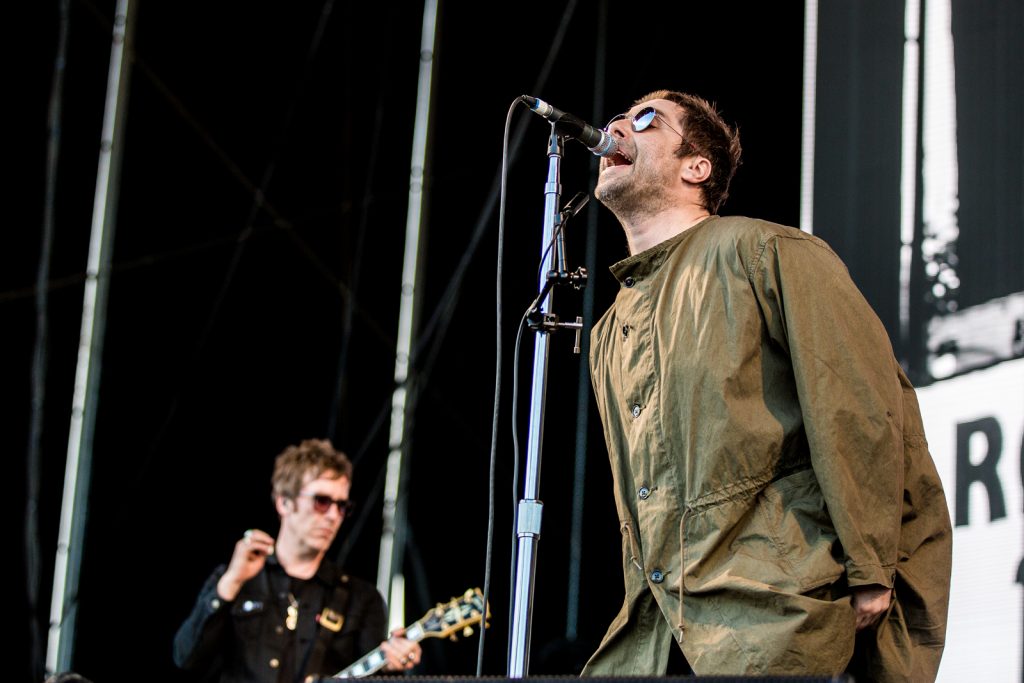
(309, 460)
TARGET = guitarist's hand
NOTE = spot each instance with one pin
(402, 653)
(247, 560)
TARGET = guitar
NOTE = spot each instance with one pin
(441, 622)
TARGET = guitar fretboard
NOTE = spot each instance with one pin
(375, 661)
(441, 622)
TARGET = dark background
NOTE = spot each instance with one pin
(257, 260)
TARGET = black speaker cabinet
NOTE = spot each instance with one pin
(842, 678)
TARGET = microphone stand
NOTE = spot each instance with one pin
(530, 509)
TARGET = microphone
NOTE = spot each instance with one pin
(597, 141)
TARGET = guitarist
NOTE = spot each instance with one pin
(279, 612)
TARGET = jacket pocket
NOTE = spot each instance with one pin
(247, 616)
(757, 569)
(801, 530)
(779, 539)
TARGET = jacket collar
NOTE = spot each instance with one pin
(640, 266)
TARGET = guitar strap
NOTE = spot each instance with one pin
(338, 603)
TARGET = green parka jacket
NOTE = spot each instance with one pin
(767, 455)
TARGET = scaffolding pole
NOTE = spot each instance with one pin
(390, 581)
(77, 468)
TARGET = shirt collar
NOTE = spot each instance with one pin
(326, 573)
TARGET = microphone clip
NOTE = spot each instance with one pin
(577, 278)
(549, 322)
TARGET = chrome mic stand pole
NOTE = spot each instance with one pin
(542, 321)
(528, 514)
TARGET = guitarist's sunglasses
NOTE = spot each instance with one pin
(322, 503)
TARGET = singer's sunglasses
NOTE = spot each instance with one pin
(642, 120)
(322, 503)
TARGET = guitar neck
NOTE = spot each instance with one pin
(439, 622)
(374, 661)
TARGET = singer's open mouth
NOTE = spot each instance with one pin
(618, 159)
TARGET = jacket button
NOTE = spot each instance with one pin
(657, 576)
(274, 663)
(636, 410)
(629, 281)
(644, 493)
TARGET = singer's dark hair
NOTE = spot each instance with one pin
(706, 133)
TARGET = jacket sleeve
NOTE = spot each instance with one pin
(369, 610)
(849, 394)
(199, 642)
